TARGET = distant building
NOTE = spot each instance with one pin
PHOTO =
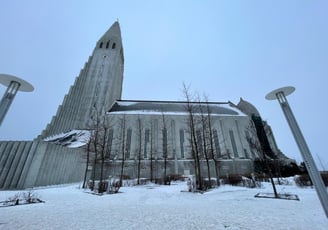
(153, 137)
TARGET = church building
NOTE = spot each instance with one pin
(148, 139)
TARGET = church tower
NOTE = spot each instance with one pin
(96, 88)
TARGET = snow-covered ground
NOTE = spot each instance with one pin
(165, 207)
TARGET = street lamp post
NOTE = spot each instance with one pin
(315, 176)
(14, 84)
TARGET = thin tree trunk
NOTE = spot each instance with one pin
(164, 137)
(123, 150)
(216, 162)
(204, 132)
(139, 149)
(151, 152)
(103, 146)
(87, 166)
(193, 140)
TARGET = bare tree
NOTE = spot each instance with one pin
(205, 139)
(190, 107)
(165, 146)
(94, 146)
(151, 150)
(254, 141)
(88, 149)
(123, 147)
(211, 146)
(102, 148)
(97, 149)
(139, 135)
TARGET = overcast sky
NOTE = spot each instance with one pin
(224, 49)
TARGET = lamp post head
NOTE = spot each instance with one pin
(6, 79)
(285, 90)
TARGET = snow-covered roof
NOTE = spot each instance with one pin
(173, 108)
(72, 139)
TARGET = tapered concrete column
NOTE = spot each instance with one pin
(315, 176)
(14, 84)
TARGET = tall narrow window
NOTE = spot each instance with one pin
(113, 46)
(109, 142)
(107, 45)
(181, 132)
(233, 143)
(246, 154)
(217, 143)
(199, 143)
(164, 143)
(128, 143)
(101, 44)
(249, 141)
(147, 139)
(155, 138)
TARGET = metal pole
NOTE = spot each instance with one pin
(305, 152)
(13, 84)
(8, 98)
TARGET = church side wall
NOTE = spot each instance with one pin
(231, 147)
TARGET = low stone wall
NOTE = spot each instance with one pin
(175, 167)
(27, 164)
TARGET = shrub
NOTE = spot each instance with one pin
(262, 177)
(102, 187)
(14, 200)
(324, 176)
(303, 180)
(176, 177)
(28, 197)
(114, 184)
(124, 177)
(233, 179)
(31, 197)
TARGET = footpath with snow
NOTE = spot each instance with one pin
(165, 207)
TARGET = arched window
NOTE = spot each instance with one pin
(107, 45)
(101, 44)
(113, 46)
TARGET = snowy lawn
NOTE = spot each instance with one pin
(165, 207)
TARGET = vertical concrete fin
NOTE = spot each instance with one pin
(3, 146)
(23, 159)
(60, 165)
(8, 162)
(17, 154)
(26, 162)
(32, 165)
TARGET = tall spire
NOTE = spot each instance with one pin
(112, 34)
(95, 89)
